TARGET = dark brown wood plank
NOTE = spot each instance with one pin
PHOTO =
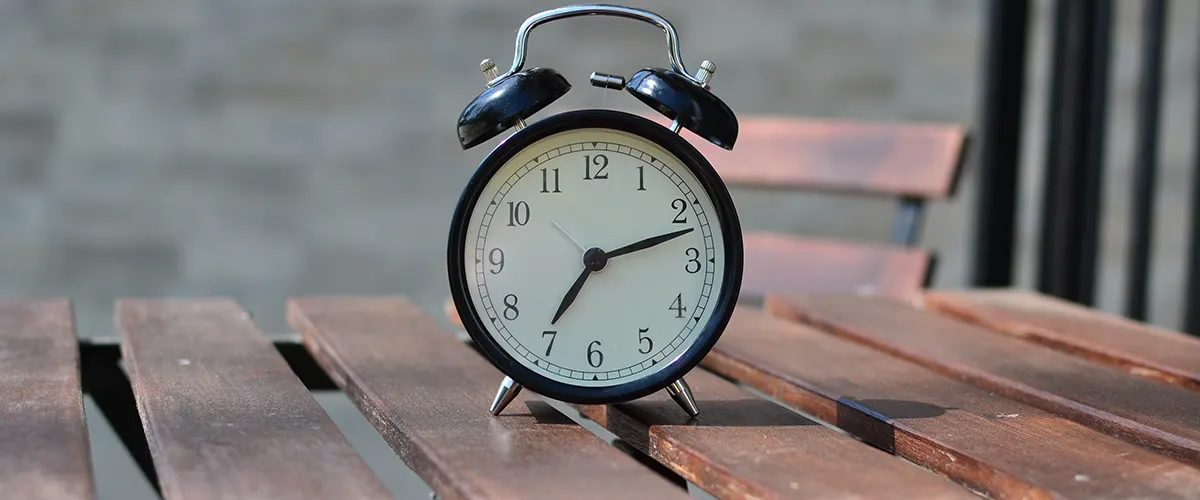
(1147, 412)
(745, 447)
(996, 445)
(776, 263)
(428, 395)
(43, 440)
(1138, 348)
(899, 159)
(224, 415)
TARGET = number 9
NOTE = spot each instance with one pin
(496, 261)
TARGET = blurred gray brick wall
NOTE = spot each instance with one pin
(264, 148)
(261, 148)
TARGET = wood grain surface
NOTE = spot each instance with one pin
(44, 451)
(224, 415)
(898, 159)
(1146, 412)
(776, 263)
(999, 446)
(745, 447)
(1138, 348)
(428, 395)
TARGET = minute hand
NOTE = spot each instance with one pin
(648, 242)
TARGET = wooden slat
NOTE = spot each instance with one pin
(999, 446)
(1139, 348)
(1147, 412)
(428, 395)
(43, 441)
(897, 159)
(790, 264)
(744, 447)
(224, 415)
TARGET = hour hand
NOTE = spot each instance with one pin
(649, 242)
(571, 294)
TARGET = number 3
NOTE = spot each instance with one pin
(693, 258)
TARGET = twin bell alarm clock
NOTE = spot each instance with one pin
(595, 256)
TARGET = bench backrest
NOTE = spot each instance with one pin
(911, 162)
(902, 160)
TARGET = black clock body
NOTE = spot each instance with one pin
(481, 324)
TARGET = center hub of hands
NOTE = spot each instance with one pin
(594, 259)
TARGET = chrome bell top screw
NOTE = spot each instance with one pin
(488, 67)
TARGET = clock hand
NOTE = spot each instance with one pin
(571, 294)
(568, 235)
(648, 242)
(594, 260)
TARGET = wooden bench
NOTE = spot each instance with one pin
(912, 163)
(1075, 329)
(43, 442)
(1145, 411)
(211, 407)
(1000, 446)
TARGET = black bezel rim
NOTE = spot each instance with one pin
(709, 180)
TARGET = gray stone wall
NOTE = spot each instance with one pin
(261, 148)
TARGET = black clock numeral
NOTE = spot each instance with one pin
(694, 258)
(553, 334)
(677, 306)
(643, 339)
(681, 205)
(496, 258)
(600, 161)
(510, 307)
(546, 181)
(595, 357)
(518, 213)
(641, 178)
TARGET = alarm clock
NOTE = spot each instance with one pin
(595, 256)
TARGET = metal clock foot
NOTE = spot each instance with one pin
(682, 394)
(507, 392)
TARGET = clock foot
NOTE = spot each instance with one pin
(682, 394)
(507, 392)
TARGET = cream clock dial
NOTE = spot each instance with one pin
(549, 273)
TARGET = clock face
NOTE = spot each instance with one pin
(595, 257)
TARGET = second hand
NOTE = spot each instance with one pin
(568, 235)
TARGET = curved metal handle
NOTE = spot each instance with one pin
(593, 10)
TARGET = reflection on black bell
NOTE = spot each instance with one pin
(696, 109)
(513, 98)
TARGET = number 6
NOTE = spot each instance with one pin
(599, 356)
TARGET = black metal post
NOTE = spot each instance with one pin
(1145, 169)
(1070, 229)
(1000, 142)
(1191, 312)
(1050, 181)
(907, 225)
